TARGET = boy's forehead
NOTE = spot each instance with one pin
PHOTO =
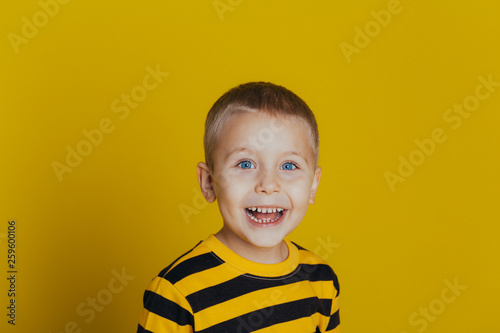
(252, 132)
(244, 126)
(276, 121)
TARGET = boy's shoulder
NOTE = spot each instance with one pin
(307, 255)
(197, 259)
(310, 261)
(316, 268)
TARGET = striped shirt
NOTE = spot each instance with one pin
(211, 289)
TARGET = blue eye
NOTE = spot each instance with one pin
(288, 166)
(246, 165)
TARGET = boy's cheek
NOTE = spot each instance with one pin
(300, 195)
(299, 181)
(232, 188)
(241, 177)
(223, 179)
(224, 174)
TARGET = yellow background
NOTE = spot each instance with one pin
(120, 208)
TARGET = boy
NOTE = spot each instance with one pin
(261, 151)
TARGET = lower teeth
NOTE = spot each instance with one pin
(263, 220)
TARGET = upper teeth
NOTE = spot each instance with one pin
(266, 210)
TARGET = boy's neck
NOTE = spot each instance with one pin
(261, 255)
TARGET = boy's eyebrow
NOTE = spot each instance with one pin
(238, 150)
(292, 152)
(246, 149)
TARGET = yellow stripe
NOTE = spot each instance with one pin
(305, 324)
(201, 280)
(158, 324)
(335, 305)
(307, 257)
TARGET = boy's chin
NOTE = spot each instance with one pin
(267, 242)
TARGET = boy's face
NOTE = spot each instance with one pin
(261, 163)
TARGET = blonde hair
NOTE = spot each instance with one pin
(264, 97)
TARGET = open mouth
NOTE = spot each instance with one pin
(265, 215)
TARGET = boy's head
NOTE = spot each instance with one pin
(261, 148)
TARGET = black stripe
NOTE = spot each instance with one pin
(334, 321)
(321, 272)
(326, 304)
(141, 329)
(270, 316)
(166, 308)
(191, 266)
(318, 272)
(245, 284)
(166, 269)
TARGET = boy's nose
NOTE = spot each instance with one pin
(268, 183)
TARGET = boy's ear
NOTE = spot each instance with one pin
(206, 181)
(314, 187)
